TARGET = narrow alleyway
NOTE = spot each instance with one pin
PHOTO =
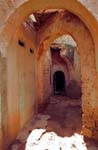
(56, 127)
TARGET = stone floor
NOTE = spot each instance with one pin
(56, 127)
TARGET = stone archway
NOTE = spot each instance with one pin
(70, 24)
(15, 13)
(30, 6)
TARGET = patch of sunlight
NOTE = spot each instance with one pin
(66, 39)
(32, 17)
(40, 139)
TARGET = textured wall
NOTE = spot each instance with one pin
(60, 25)
(20, 84)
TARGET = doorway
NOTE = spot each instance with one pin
(59, 83)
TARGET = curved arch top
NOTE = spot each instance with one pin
(24, 9)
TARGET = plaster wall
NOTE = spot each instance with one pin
(20, 81)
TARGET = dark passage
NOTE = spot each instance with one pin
(59, 83)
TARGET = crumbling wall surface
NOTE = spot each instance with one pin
(44, 77)
(47, 90)
(3, 102)
(74, 86)
(8, 7)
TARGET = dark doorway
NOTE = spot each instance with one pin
(59, 83)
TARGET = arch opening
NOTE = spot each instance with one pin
(65, 58)
(59, 83)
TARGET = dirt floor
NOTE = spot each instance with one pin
(56, 127)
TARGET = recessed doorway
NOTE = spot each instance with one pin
(59, 83)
